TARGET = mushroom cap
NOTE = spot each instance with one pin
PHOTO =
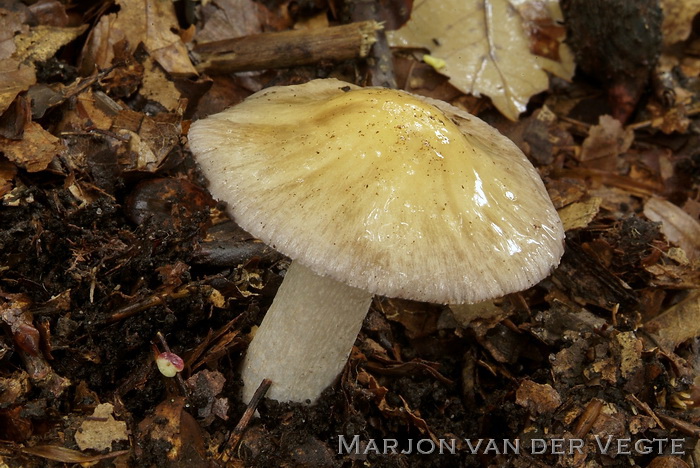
(400, 195)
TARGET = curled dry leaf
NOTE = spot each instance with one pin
(677, 225)
(152, 27)
(485, 47)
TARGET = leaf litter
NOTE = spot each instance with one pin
(108, 239)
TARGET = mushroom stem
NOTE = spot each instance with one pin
(306, 336)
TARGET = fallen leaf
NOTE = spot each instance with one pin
(580, 214)
(678, 19)
(678, 323)
(487, 310)
(101, 429)
(157, 87)
(31, 44)
(150, 138)
(485, 47)
(677, 225)
(608, 139)
(35, 151)
(538, 398)
(226, 19)
(42, 42)
(139, 21)
(12, 23)
(675, 276)
(15, 77)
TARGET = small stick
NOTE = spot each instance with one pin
(287, 48)
(237, 432)
(685, 427)
(645, 408)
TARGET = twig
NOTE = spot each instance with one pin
(646, 409)
(288, 48)
(685, 427)
(237, 432)
(151, 301)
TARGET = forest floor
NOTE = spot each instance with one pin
(112, 251)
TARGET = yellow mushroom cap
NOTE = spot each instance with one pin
(386, 191)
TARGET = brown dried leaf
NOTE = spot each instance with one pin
(150, 138)
(678, 323)
(157, 87)
(419, 319)
(486, 310)
(42, 42)
(11, 24)
(677, 225)
(608, 139)
(226, 19)
(152, 28)
(580, 214)
(15, 77)
(538, 398)
(565, 191)
(35, 151)
(675, 276)
(678, 19)
(100, 430)
(485, 48)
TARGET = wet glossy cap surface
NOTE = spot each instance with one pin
(382, 190)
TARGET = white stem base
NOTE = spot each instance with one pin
(306, 336)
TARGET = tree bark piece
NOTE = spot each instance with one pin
(287, 48)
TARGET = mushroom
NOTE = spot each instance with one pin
(370, 191)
